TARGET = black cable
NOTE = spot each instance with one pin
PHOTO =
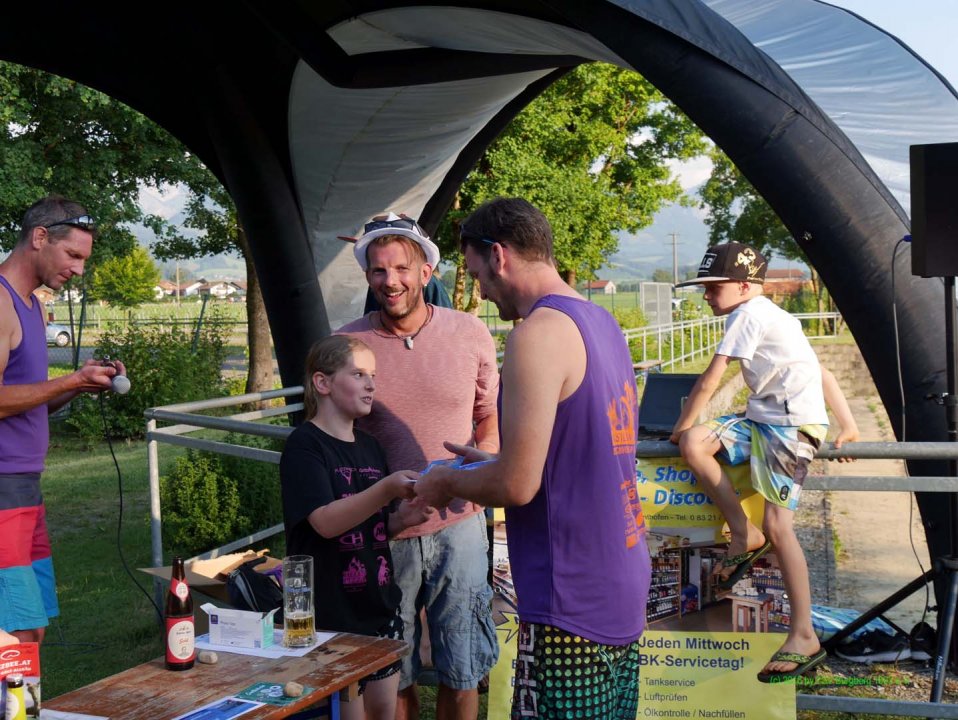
(901, 390)
(119, 521)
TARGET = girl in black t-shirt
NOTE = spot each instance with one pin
(339, 506)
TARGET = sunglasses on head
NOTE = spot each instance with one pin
(403, 222)
(84, 222)
(466, 235)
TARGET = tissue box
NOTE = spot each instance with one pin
(239, 628)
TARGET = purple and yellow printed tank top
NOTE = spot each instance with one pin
(578, 552)
(24, 438)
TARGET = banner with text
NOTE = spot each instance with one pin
(710, 675)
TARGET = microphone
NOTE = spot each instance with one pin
(121, 384)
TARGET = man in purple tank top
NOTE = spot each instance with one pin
(56, 238)
(565, 474)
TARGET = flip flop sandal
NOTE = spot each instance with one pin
(742, 563)
(805, 663)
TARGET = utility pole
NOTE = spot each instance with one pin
(675, 257)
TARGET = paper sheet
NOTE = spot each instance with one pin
(276, 650)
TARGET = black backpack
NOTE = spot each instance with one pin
(250, 590)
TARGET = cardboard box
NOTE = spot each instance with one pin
(239, 628)
(209, 576)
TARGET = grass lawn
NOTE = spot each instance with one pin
(106, 624)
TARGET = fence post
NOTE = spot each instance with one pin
(156, 529)
(199, 323)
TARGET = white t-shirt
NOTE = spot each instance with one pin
(778, 364)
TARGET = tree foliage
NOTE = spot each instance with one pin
(736, 212)
(662, 275)
(591, 153)
(211, 213)
(58, 136)
(127, 280)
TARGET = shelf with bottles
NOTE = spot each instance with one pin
(766, 576)
(664, 590)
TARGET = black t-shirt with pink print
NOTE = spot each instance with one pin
(354, 587)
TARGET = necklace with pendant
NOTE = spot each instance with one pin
(407, 340)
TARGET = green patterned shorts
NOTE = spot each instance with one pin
(560, 676)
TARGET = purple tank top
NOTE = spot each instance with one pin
(24, 437)
(578, 552)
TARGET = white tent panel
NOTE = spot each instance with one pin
(464, 29)
(881, 95)
(376, 154)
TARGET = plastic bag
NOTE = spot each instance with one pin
(251, 590)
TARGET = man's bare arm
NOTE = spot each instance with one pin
(15, 399)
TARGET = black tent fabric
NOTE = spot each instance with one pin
(318, 115)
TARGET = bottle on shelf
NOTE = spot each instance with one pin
(178, 615)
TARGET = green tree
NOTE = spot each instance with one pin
(210, 210)
(591, 153)
(127, 280)
(662, 275)
(736, 212)
(57, 135)
(60, 136)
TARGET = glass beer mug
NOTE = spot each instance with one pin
(298, 623)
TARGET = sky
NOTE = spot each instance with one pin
(928, 27)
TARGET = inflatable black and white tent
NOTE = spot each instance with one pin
(317, 115)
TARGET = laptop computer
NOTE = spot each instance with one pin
(662, 401)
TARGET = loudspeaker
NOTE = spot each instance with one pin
(934, 210)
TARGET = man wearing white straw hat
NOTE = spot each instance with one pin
(437, 378)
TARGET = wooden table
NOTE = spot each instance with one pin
(151, 691)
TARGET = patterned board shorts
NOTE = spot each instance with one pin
(779, 454)
(560, 676)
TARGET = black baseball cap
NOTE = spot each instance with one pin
(730, 261)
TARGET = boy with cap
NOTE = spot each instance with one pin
(783, 426)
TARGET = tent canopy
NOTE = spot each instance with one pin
(318, 115)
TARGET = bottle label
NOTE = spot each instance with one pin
(180, 644)
(16, 709)
(179, 588)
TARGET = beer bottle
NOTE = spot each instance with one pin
(180, 648)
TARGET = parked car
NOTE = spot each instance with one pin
(58, 335)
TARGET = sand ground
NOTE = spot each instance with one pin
(879, 537)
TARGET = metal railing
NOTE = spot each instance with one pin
(675, 343)
(186, 418)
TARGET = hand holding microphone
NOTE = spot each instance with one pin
(119, 383)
